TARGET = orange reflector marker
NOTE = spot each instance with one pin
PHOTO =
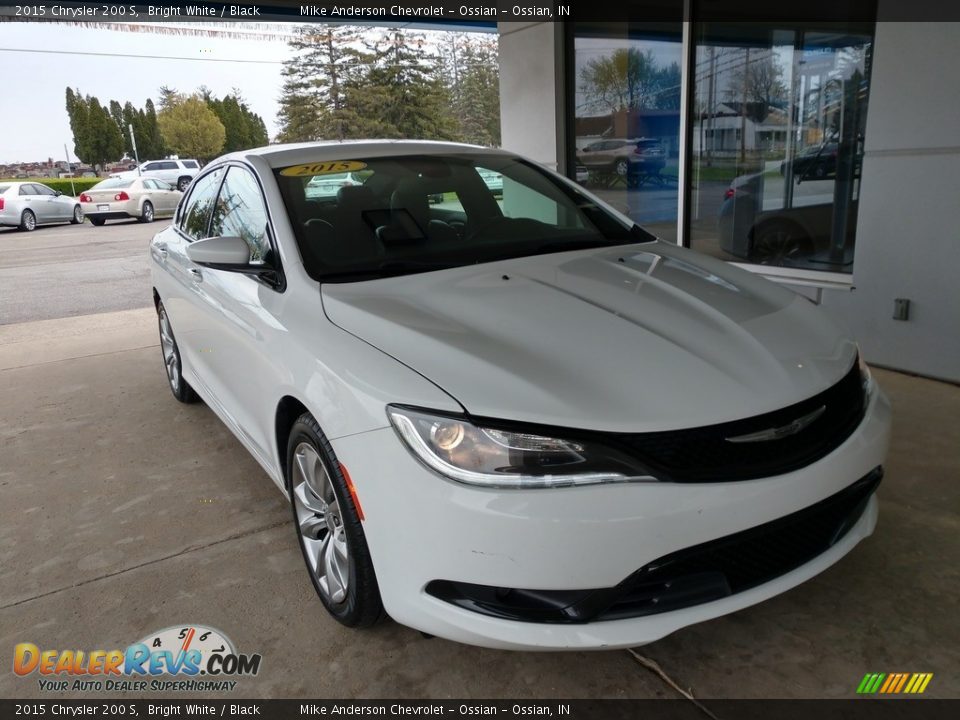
(353, 491)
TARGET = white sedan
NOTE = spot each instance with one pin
(117, 198)
(518, 422)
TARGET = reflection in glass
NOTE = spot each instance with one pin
(778, 125)
(627, 89)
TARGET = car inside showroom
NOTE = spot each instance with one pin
(521, 358)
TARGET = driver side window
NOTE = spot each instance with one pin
(195, 217)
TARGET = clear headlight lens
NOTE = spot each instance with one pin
(496, 458)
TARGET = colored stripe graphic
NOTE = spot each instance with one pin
(894, 683)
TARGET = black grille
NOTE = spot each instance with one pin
(705, 454)
(744, 560)
(692, 576)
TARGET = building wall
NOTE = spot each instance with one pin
(908, 236)
(531, 88)
(908, 231)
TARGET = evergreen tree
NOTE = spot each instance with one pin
(96, 136)
(474, 83)
(153, 145)
(318, 83)
(405, 85)
(244, 129)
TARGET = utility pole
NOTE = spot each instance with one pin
(73, 190)
(133, 141)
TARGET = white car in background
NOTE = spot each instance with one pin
(29, 204)
(142, 198)
(517, 422)
(176, 172)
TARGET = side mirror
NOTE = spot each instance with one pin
(223, 253)
(58, 193)
(233, 255)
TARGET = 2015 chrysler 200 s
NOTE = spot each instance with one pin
(514, 420)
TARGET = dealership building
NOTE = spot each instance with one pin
(821, 154)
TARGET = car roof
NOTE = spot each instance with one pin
(285, 155)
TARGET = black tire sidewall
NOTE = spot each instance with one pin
(23, 221)
(362, 606)
(143, 212)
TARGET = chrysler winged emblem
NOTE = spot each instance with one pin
(780, 432)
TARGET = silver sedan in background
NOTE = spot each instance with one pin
(143, 198)
(28, 204)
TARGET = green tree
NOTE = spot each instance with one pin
(151, 143)
(469, 69)
(96, 136)
(244, 129)
(191, 129)
(403, 89)
(320, 84)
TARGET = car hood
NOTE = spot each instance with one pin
(631, 339)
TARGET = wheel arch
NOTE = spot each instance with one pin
(288, 410)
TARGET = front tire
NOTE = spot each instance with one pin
(183, 183)
(146, 212)
(77, 215)
(328, 528)
(622, 168)
(28, 221)
(171, 360)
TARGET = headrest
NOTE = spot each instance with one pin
(355, 196)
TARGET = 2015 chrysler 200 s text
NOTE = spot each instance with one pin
(515, 420)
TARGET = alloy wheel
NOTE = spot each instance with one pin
(170, 359)
(320, 524)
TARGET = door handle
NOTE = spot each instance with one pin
(196, 275)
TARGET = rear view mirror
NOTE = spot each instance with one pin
(224, 253)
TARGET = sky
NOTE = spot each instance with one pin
(35, 122)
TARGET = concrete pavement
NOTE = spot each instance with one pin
(123, 512)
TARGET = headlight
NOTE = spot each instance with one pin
(497, 458)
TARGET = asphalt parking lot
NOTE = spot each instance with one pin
(124, 512)
(66, 270)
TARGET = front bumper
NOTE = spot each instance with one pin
(421, 528)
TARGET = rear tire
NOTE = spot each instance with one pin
(77, 215)
(329, 530)
(146, 212)
(97, 221)
(171, 360)
(28, 221)
(183, 183)
(779, 242)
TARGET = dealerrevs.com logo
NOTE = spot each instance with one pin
(187, 658)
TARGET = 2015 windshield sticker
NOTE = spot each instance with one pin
(181, 653)
(323, 168)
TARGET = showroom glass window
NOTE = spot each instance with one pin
(626, 91)
(778, 121)
(240, 212)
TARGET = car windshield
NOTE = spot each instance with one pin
(112, 183)
(413, 214)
